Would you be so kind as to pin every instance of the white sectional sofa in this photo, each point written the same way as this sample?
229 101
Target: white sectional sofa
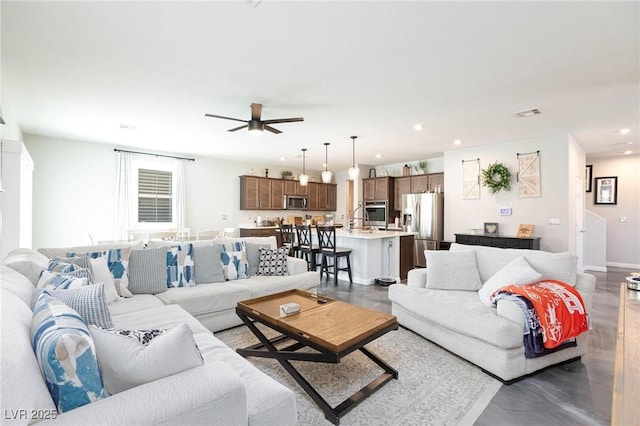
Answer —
490 337
225 390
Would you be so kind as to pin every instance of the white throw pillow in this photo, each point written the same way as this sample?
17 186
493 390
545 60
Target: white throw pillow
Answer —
101 274
132 358
452 270
516 272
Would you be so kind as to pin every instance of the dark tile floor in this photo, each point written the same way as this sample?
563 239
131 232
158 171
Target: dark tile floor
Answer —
571 394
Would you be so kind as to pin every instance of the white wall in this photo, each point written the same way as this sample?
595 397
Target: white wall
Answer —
623 238
74 192
555 168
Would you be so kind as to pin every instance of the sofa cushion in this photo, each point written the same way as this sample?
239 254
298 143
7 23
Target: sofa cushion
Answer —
147 271
516 272
273 261
165 316
461 312
131 358
448 270
135 303
22 385
207 263
89 301
66 354
264 285
556 266
206 298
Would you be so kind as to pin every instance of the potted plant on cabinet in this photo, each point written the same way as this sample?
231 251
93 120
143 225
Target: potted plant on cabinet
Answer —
286 174
421 167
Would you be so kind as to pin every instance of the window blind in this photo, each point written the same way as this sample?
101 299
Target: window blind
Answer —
155 195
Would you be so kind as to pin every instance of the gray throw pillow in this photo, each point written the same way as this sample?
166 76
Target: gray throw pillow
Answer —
147 271
28 268
452 270
89 301
207 264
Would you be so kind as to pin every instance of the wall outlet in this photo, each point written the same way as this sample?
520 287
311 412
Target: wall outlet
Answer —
554 221
390 243
224 217
623 219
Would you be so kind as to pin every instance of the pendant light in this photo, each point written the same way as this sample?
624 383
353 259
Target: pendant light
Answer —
354 171
326 174
304 179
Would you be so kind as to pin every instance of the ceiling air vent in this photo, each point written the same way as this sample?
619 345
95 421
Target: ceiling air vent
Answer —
528 113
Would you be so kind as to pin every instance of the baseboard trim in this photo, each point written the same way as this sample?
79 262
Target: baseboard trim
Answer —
624 265
595 268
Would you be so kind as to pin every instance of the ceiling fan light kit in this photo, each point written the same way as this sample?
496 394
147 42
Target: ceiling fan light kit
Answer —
354 171
304 178
326 174
256 125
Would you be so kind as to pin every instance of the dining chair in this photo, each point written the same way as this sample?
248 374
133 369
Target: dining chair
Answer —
208 234
287 238
181 233
228 232
307 250
328 250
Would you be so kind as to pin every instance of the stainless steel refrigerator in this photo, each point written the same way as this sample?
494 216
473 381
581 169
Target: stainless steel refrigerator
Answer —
424 214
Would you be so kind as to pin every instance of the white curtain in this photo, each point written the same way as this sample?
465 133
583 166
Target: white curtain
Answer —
181 213
123 208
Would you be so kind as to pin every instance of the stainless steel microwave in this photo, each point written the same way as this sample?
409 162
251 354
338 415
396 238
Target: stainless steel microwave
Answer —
296 202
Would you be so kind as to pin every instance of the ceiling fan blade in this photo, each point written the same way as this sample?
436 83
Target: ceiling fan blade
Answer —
238 128
225 118
283 120
271 129
256 111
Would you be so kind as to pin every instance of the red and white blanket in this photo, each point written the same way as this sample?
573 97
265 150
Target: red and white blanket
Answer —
559 307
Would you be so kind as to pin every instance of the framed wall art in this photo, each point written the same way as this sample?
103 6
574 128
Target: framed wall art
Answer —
491 228
588 178
471 179
606 190
529 174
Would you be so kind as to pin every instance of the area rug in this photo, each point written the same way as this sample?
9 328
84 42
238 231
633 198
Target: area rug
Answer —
434 386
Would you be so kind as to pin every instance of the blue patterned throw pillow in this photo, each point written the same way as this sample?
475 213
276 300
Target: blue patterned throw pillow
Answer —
54 280
66 354
61 267
180 271
234 260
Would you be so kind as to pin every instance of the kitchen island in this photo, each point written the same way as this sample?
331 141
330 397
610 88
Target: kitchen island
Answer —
377 254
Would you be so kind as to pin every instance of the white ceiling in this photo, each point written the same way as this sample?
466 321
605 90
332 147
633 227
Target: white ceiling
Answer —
79 70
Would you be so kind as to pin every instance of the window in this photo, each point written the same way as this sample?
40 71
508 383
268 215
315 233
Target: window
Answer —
155 196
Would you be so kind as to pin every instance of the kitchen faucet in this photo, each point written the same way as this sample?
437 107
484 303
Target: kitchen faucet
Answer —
353 217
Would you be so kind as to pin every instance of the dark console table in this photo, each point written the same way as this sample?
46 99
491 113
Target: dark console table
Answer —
499 241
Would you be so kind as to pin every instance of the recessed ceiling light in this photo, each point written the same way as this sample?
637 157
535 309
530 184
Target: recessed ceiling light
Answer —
282 158
627 152
417 127
630 143
457 142
378 155
125 126
625 131
528 113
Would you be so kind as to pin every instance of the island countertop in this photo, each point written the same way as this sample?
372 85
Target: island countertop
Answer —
367 235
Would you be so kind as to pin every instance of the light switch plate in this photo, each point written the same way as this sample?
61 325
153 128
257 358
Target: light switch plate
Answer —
505 211
554 221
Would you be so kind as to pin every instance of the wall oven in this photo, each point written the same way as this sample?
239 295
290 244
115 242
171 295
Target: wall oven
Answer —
296 202
375 214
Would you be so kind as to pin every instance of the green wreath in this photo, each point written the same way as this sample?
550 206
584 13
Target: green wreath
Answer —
496 177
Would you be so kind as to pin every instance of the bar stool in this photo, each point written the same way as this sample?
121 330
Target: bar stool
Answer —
328 249
308 251
288 239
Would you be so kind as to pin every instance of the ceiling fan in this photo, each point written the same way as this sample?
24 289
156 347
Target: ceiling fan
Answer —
256 125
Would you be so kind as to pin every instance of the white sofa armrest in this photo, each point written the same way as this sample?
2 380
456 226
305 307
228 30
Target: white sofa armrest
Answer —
211 394
296 266
417 277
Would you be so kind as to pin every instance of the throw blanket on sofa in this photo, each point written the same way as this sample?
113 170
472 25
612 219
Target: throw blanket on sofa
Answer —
554 314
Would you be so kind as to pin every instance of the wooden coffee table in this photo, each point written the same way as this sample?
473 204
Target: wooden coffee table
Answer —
333 329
